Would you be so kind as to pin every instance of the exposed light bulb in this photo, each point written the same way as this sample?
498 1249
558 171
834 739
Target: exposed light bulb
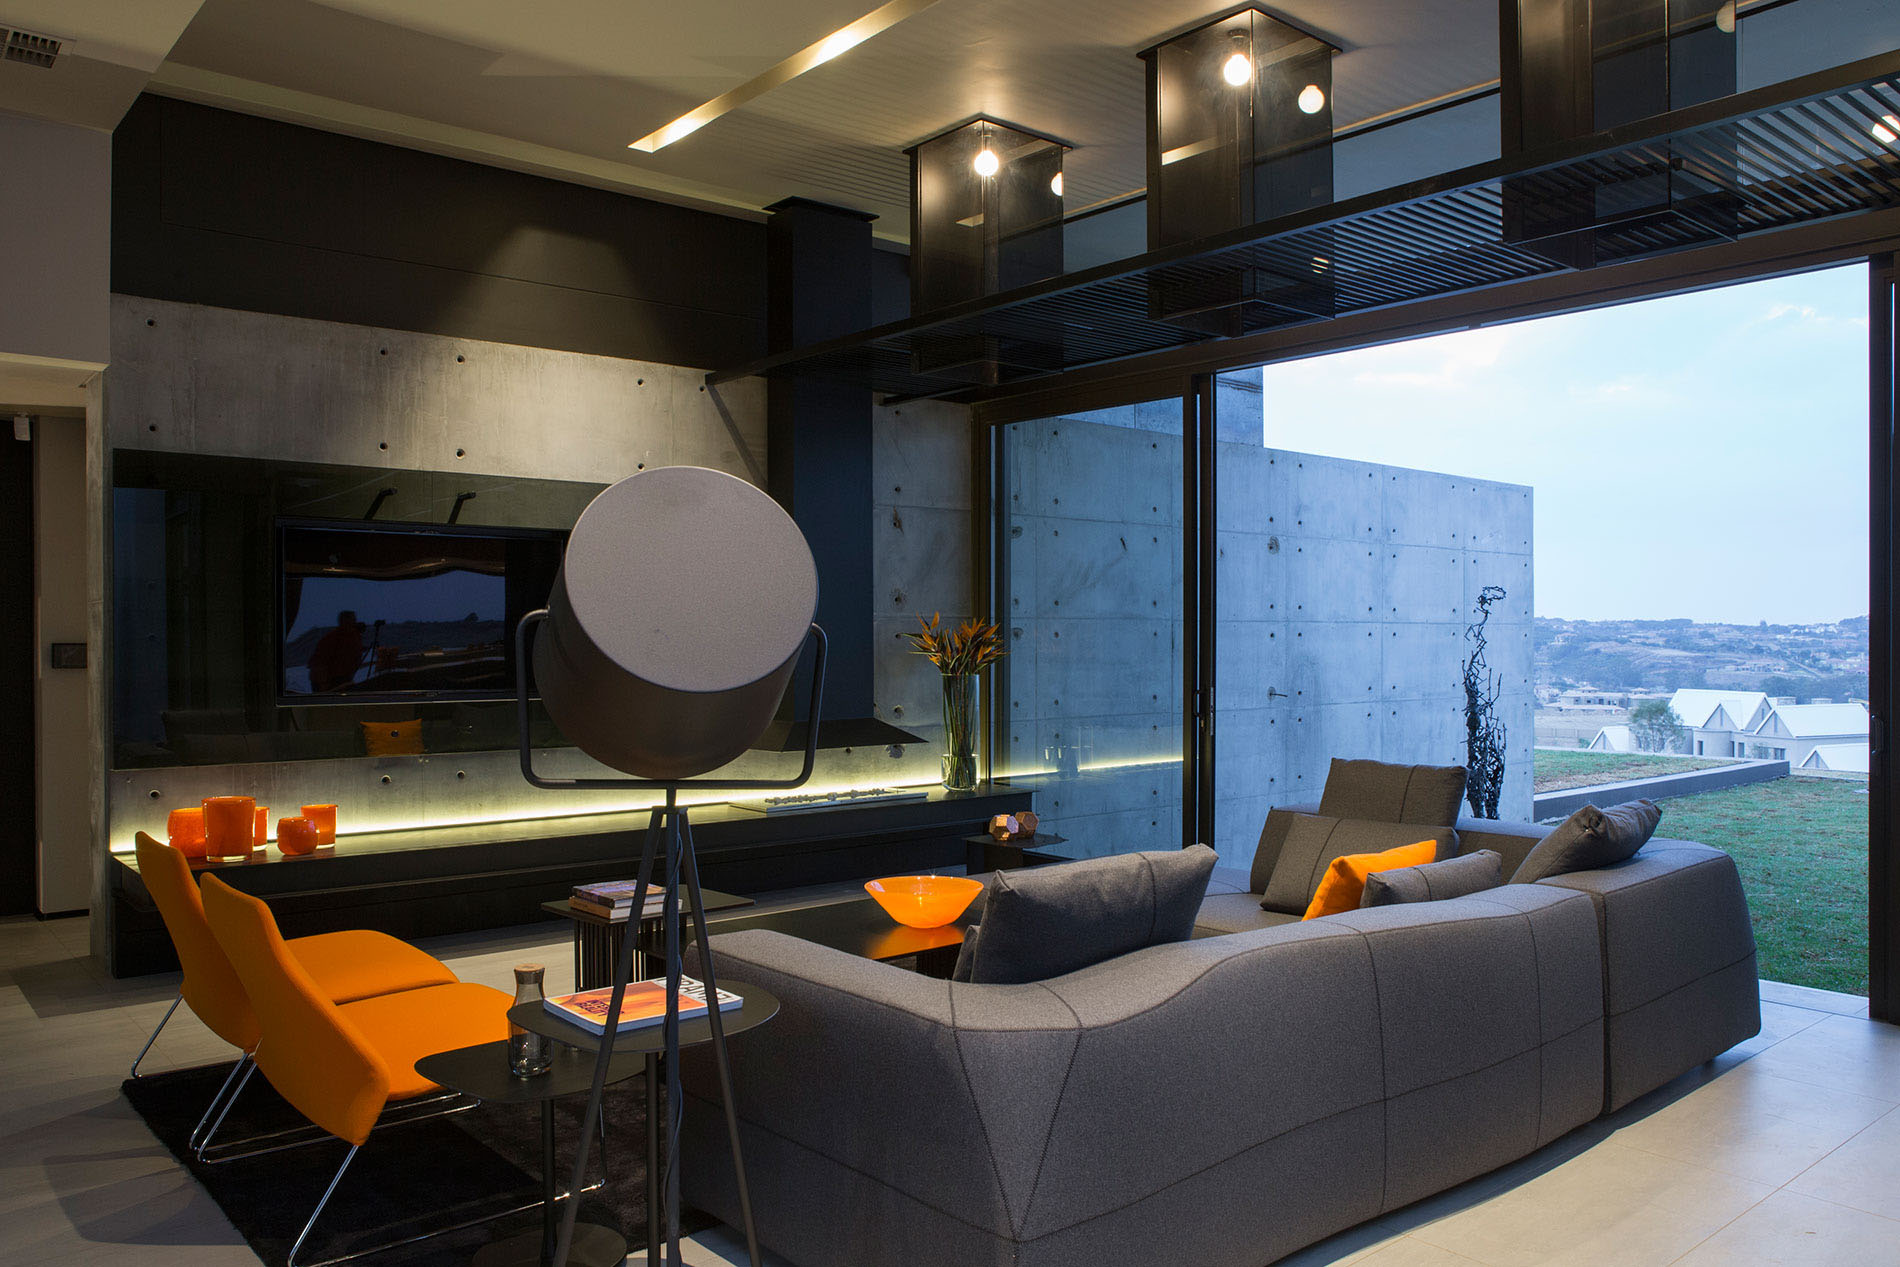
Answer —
1312 100
986 162
1725 18
1237 70
1055 184
1887 131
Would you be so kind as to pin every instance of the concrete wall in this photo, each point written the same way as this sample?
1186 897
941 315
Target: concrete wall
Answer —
54 237
218 381
1344 589
62 696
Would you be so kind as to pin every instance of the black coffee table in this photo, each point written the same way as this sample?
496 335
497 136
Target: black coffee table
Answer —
758 1005
984 853
597 939
859 926
482 1072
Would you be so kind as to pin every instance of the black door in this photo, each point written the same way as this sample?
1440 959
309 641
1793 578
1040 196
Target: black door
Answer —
18 815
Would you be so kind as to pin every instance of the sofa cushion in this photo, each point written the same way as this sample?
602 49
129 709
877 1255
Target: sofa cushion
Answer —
1045 922
1435 881
1345 882
1238 913
1590 838
1381 793
1313 841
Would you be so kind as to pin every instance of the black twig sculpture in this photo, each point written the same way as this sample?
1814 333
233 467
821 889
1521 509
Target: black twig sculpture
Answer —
1484 733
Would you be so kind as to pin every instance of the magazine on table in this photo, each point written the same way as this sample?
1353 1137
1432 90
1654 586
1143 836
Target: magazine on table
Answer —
643 1005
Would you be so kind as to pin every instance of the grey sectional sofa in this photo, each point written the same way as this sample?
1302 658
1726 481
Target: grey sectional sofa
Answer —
1219 1102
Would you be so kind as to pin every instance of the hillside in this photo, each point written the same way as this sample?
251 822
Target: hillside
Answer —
1803 661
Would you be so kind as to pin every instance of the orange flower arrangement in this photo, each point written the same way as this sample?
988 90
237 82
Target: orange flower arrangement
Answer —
974 645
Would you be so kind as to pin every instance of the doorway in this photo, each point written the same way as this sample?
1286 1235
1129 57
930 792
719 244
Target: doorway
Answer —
18 822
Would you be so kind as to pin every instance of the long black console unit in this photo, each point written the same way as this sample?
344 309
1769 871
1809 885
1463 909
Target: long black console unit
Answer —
467 878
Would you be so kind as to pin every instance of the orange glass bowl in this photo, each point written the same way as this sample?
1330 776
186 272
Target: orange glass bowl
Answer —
924 901
297 836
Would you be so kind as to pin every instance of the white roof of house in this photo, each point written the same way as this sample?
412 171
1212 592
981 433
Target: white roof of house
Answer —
1807 720
1838 756
1693 705
1612 739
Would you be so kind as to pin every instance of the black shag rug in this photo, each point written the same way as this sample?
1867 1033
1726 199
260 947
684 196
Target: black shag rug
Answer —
408 1180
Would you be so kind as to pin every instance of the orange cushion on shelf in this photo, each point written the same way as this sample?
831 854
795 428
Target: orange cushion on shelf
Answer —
403 1028
360 964
1345 882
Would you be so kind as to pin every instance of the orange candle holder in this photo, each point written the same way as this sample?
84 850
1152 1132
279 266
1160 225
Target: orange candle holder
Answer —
324 817
297 836
230 823
185 830
260 835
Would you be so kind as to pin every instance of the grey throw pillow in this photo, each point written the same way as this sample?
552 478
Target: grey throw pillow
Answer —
1435 881
1591 838
1042 922
1314 840
1381 793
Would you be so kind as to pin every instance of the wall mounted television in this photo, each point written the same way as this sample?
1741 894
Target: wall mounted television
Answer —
394 612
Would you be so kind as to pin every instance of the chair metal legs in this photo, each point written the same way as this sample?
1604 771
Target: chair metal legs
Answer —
249 1067
162 1021
311 1222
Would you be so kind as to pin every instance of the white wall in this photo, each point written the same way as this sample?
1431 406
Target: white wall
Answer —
55 238
63 721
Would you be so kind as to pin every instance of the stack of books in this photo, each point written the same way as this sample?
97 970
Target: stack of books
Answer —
644 1004
613 899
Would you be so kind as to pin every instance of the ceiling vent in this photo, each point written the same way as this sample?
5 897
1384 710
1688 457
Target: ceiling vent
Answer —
31 49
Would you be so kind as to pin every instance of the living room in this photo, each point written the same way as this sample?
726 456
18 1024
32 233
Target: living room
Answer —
343 326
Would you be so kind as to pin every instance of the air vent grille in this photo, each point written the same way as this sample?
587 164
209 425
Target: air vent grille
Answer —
31 49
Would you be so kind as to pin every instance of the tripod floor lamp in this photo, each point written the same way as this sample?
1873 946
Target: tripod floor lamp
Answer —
683 604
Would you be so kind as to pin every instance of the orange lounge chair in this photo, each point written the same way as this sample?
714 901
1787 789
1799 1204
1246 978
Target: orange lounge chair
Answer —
341 1065
345 967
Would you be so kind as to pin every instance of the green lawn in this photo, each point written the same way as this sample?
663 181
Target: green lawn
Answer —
1556 768
1801 846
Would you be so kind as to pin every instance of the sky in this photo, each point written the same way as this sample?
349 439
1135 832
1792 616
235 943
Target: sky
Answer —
1700 456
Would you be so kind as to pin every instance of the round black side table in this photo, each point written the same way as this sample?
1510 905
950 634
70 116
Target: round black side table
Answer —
758 1005
482 1072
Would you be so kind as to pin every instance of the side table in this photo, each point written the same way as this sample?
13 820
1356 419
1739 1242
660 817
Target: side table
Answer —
597 939
985 853
482 1072
758 1005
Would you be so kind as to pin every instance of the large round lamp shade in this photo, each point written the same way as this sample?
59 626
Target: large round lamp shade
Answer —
675 621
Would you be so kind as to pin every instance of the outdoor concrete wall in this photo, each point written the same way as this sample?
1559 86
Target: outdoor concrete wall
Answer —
1344 589
204 380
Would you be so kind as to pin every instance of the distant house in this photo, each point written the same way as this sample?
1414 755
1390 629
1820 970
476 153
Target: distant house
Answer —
1719 722
1613 739
1792 732
1842 758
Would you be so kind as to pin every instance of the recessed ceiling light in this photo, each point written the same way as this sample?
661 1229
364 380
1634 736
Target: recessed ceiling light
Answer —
1887 131
986 162
1237 69
1312 100
842 40
1055 184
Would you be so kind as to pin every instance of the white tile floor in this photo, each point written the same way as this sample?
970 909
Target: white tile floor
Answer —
1784 1151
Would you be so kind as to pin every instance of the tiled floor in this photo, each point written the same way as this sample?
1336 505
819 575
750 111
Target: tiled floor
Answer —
1784 1151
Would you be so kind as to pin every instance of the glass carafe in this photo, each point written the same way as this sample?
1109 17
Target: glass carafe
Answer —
528 1053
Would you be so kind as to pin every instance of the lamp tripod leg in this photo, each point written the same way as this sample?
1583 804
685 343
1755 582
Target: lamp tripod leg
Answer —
604 1056
721 1060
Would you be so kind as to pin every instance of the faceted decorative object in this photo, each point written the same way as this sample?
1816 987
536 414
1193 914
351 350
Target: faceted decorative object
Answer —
185 830
1013 826
1240 131
985 216
230 822
959 732
324 816
924 901
1571 68
528 1052
297 836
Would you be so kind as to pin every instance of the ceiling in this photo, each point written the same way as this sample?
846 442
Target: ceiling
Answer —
561 87
109 50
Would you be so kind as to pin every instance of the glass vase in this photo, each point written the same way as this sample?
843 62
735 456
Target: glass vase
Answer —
959 731
528 1052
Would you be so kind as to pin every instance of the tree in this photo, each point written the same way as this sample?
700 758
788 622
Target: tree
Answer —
1654 727
1484 733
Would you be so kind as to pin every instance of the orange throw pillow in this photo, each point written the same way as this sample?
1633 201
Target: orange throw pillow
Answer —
1345 880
